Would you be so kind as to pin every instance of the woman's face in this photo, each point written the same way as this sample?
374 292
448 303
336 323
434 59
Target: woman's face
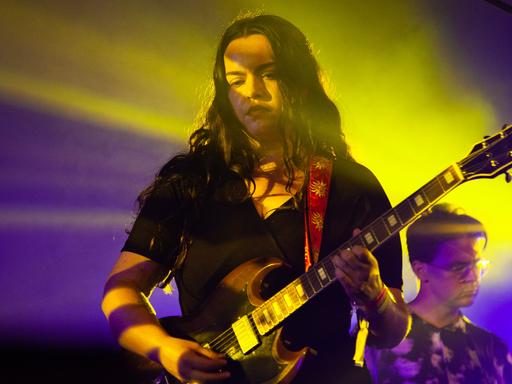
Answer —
253 87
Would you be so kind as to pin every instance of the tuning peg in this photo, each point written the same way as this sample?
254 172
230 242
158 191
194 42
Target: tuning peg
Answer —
508 176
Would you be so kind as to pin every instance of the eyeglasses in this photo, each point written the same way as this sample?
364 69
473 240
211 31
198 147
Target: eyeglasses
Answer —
462 269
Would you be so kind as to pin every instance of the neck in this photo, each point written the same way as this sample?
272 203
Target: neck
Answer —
432 311
269 150
270 155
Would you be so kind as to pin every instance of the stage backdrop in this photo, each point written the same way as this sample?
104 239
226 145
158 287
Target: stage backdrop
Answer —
95 96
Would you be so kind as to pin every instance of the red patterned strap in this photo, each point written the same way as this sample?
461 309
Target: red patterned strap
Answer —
320 170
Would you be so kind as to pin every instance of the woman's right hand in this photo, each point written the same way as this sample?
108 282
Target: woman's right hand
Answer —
189 362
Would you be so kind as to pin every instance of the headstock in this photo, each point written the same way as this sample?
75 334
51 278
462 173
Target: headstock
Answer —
490 157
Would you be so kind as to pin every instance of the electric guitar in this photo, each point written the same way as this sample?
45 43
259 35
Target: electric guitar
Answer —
238 322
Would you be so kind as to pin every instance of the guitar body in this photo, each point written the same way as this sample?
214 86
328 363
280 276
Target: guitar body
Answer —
237 295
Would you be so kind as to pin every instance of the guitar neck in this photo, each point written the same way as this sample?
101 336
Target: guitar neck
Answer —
276 309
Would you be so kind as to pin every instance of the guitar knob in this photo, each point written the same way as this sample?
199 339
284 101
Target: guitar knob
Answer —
508 176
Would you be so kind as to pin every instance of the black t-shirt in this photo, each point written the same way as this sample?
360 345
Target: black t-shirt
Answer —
225 235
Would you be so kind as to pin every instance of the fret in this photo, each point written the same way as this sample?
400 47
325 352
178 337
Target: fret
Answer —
419 201
306 285
329 267
404 211
277 309
270 315
291 302
282 304
259 320
265 319
356 241
322 274
370 241
252 322
392 221
380 230
262 317
294 296
450 178
301 294
313 279
434 190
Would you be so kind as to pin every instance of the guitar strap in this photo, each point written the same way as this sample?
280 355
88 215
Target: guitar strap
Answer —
320 171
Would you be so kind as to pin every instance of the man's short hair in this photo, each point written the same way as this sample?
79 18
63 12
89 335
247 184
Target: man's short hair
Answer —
444 222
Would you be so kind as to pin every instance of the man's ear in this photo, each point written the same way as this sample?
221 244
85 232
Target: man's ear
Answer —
420 270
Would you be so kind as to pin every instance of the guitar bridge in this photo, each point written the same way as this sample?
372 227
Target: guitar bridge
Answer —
245 334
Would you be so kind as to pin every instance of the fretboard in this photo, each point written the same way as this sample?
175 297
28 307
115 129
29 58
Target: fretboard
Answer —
274 310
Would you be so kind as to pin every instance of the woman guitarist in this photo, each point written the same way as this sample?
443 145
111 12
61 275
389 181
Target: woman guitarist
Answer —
240 194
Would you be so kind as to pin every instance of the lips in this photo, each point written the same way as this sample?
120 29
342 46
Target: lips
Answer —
258 108
470 291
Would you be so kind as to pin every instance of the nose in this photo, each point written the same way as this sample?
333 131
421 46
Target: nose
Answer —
474 272
256 88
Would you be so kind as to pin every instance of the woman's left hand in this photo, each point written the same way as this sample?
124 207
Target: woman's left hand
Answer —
358 272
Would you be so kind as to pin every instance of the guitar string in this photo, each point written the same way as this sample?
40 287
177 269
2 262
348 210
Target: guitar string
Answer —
225 338
228 337
229 340
225 345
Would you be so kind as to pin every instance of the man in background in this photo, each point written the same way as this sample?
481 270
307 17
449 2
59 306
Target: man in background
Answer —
443 346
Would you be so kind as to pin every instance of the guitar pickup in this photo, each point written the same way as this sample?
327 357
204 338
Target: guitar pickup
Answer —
245 334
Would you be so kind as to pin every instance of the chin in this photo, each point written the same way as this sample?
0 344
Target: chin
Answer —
467 300
258 131
466 303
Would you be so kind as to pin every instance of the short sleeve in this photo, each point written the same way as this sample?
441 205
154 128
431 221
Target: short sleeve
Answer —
358 199
157 230
389 254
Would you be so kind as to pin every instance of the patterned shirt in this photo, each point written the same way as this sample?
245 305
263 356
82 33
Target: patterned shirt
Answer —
456 354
